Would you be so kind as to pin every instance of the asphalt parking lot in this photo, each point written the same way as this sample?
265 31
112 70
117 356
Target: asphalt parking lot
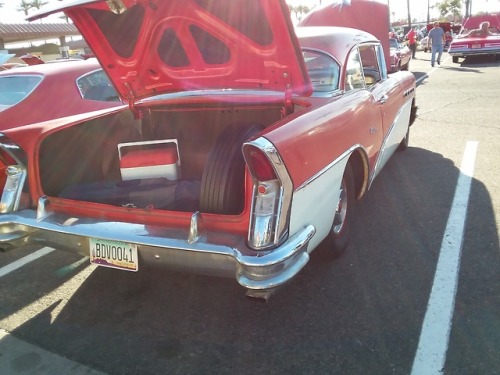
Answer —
417 291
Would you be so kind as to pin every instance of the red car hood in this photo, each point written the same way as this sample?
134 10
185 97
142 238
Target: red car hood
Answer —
473 22
150 47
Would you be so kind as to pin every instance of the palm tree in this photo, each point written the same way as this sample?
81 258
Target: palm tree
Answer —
24 6
468 6
409 15
38 3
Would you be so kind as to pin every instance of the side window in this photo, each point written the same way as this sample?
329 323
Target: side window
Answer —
370 63
96 86
323 71
354 72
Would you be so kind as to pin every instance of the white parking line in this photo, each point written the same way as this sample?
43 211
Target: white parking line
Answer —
25 260
434 337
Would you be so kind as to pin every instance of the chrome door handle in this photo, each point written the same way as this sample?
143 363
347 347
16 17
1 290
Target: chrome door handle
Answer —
383 99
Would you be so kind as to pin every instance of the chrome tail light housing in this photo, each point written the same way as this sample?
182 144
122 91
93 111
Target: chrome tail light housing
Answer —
271 195
13 177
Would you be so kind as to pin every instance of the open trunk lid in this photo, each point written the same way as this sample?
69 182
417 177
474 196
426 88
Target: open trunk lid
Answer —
149 47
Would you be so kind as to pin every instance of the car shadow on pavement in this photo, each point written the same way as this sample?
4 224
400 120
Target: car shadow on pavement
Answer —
347 315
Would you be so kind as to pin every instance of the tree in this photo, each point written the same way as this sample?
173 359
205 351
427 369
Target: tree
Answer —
450 6
468 5
38 4
66 18
24 6
409 15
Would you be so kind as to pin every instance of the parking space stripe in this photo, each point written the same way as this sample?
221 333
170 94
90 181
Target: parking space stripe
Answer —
25 260
434 338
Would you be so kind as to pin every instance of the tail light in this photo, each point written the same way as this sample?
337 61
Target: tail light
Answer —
13 173
271 195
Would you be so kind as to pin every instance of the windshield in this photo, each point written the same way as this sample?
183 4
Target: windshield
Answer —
323 71
14 89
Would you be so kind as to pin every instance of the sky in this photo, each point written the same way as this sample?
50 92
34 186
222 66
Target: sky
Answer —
418 8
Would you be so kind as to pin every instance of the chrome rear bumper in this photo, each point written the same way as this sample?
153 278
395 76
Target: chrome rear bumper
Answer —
218 254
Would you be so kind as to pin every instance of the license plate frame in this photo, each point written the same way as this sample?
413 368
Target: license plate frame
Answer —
114 254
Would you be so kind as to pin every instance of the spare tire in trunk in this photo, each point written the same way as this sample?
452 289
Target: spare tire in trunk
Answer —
222 183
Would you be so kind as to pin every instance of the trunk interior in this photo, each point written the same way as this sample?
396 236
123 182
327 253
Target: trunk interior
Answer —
172 159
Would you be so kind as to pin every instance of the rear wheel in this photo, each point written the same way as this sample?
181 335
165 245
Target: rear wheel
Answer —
341 228
222 183
455 59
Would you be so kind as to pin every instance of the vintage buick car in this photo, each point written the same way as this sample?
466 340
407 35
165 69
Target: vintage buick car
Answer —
248 148
400 56
42 92
371 16
475 43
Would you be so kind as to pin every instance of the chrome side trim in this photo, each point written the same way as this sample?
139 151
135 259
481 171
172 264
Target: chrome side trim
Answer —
342 156
381 158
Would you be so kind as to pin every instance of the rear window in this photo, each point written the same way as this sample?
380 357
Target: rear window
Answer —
323 71
97 86
13 89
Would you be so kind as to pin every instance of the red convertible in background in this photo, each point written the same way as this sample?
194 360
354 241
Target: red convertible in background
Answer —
473 42
248 147
37 93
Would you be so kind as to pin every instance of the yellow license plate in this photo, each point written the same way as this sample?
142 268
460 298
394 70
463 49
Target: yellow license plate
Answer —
114 254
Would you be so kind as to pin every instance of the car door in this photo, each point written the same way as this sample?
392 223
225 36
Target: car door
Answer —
386 94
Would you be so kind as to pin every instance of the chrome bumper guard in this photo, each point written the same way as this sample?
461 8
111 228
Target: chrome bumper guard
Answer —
217 254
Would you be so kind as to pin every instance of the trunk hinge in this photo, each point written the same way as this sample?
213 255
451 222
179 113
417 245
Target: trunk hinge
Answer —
131 102
288 107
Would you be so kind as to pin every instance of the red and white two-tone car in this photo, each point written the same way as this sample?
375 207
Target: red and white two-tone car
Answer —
249 144
479 36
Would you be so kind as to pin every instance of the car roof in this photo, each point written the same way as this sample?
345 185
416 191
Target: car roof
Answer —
78 67
337 41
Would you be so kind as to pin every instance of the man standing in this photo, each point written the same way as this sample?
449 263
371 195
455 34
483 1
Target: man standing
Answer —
412 41
436 41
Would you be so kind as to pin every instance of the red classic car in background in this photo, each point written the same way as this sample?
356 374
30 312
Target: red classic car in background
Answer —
248 147
32 94
400 56
477 43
